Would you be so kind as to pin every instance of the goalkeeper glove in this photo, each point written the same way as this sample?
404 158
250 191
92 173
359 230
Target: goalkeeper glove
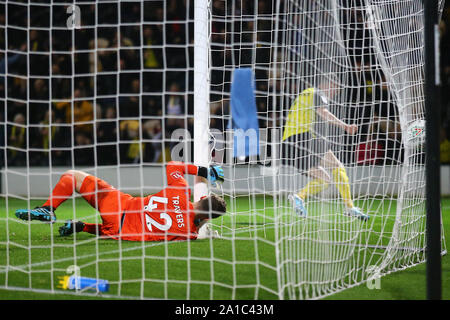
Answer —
215 174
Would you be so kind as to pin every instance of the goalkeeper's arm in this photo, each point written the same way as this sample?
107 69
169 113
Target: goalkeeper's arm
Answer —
175 168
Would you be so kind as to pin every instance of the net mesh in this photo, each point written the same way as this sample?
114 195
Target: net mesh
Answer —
108 87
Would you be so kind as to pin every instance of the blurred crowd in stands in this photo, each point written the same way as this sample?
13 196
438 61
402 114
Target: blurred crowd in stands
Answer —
111 92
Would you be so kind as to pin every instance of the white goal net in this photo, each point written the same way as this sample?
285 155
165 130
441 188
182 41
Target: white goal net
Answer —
333 197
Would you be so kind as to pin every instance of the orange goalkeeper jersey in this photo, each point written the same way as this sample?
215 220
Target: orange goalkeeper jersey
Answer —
166 215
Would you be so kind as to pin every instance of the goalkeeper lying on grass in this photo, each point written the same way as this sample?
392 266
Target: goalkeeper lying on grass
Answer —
166 215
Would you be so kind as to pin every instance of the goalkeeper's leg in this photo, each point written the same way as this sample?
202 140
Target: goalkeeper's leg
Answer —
341 179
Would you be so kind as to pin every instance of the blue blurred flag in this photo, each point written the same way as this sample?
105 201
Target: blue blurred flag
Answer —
244 118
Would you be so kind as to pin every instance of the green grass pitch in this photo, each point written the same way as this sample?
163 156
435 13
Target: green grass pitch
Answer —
206 264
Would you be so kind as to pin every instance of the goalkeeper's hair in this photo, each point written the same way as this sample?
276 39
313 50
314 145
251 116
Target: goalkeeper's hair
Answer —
212 206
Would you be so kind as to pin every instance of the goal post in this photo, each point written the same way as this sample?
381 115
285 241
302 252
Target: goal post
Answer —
201 92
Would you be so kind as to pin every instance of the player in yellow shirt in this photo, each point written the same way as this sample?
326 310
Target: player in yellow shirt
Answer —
308 152
445 147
